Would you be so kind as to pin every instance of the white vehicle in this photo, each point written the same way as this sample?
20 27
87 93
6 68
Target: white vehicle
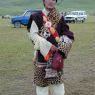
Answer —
76 16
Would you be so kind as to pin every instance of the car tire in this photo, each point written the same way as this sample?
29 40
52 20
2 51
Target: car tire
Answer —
83 20
17 24
74 21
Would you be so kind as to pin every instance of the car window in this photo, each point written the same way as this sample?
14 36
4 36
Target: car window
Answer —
28 13
74 13
81 13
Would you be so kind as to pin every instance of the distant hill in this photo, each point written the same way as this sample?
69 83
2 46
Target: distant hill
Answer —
18 6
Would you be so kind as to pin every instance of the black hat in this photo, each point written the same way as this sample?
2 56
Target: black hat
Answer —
44 0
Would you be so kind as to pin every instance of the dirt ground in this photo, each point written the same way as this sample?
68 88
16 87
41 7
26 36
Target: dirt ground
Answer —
80 79
79 74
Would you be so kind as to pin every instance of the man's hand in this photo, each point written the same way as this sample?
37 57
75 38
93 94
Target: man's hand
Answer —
57 39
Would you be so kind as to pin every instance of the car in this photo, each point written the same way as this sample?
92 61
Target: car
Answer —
17 21
75 16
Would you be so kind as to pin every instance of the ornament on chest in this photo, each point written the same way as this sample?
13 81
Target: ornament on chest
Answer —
44 32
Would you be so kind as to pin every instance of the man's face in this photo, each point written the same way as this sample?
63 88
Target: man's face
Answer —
49 4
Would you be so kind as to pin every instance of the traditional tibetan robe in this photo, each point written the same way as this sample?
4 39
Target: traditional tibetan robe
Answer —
44 41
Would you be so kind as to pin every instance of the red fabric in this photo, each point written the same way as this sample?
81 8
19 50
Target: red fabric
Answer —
43 14
55 34
57 61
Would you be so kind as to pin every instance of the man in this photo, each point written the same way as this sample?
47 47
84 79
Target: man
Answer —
47 31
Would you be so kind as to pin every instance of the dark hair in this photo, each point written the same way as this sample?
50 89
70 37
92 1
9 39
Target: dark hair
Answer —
44 4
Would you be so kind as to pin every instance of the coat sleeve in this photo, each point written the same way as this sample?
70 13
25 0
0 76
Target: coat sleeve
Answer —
65 30
66 38
40 43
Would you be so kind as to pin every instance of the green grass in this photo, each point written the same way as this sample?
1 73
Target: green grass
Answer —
15 58
14 44
15 7
16 52
84 45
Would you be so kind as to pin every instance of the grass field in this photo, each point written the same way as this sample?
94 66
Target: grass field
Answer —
14 7
16 68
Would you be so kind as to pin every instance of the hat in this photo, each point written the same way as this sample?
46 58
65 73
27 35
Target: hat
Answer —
44 0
